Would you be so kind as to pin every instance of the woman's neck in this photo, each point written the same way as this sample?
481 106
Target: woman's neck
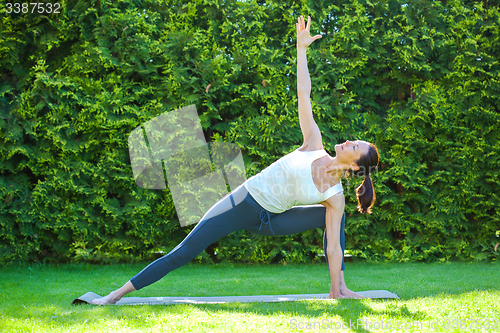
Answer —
336 169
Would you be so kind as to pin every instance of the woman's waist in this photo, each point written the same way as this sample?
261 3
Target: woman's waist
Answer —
272 201
285 193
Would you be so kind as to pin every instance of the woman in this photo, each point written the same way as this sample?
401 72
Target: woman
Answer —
282 199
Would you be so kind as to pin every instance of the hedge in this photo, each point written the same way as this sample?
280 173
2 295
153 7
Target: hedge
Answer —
419 78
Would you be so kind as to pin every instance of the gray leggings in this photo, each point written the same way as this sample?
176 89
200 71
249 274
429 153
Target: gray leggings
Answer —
236 211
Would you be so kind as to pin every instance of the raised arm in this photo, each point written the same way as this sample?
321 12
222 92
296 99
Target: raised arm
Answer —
310 130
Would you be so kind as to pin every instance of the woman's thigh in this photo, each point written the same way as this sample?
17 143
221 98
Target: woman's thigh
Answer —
295 220
226 203
221 222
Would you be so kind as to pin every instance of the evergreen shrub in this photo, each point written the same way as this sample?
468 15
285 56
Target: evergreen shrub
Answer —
420 79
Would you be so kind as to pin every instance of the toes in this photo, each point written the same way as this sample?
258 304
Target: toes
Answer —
97 302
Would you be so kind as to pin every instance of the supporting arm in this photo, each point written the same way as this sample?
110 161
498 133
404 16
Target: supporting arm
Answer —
334 212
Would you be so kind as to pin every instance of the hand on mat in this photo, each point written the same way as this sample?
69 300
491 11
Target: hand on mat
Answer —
336 295
304 38
346 293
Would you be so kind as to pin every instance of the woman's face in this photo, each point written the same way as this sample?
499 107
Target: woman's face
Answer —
350 151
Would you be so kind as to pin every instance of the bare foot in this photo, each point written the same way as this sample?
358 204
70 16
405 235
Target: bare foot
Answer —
112 298
116 295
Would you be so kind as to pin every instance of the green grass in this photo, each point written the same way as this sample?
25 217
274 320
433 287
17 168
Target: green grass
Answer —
38 298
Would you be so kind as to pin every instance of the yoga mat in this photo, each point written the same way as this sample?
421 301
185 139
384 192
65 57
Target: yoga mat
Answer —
90 296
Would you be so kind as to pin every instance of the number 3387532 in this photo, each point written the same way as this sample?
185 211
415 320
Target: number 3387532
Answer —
33 8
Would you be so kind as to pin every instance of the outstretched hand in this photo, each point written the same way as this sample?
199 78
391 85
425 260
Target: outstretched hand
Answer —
304 38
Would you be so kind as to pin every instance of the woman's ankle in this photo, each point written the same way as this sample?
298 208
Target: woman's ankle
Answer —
124 290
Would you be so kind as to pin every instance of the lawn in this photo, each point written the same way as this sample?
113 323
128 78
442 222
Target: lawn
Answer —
450 297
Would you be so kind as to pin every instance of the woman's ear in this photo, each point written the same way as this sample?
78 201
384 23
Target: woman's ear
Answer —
354 166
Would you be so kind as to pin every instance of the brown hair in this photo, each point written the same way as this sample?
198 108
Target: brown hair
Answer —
365 192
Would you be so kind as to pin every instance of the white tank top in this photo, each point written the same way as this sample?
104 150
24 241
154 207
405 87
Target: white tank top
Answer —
288 182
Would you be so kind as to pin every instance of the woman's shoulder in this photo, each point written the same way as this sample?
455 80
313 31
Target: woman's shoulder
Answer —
308 147
336 201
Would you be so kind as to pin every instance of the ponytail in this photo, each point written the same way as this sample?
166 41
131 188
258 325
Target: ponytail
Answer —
365 192
366 195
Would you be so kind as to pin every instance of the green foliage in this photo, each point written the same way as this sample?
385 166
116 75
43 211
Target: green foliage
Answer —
420 79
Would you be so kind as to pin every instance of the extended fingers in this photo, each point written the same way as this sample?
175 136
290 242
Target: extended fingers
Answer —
301 25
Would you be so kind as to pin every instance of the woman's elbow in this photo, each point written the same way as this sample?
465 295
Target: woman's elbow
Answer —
303 92
334 250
